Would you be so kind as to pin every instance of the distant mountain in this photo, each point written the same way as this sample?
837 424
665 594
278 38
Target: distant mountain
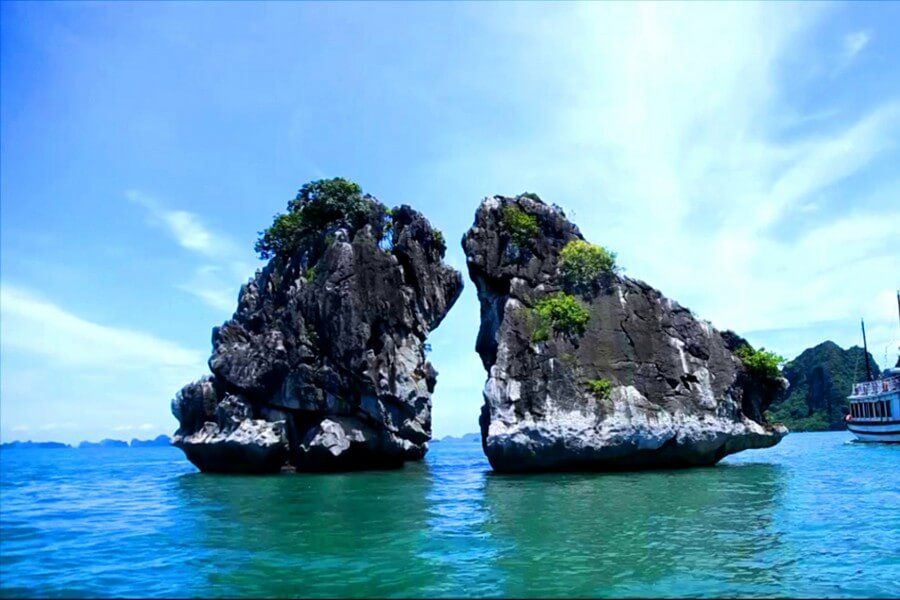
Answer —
160 440
466 437
821 378
29 445
104 444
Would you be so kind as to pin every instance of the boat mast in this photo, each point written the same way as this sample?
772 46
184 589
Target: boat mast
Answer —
866 352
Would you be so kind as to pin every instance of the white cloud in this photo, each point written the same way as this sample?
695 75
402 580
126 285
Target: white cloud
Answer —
38 326
216 284
213 285
54 426
57 364
185 227
854 43
676 141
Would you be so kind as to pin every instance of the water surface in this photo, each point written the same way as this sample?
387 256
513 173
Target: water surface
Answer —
816 515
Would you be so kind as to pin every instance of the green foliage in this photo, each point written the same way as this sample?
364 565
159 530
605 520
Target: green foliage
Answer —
282 238
820 378
761 363
521 226
319 205
600 388
581 263
311 274
561 313
439 240
328 201
530 196
796 415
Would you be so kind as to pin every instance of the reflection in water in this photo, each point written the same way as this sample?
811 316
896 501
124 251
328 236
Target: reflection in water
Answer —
448 525
588 534
811 517
339 535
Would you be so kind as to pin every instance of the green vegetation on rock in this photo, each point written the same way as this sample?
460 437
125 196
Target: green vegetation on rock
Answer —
320 205
600 388
530 196
560 313
439 242
761 363
821 379
521 226
581 263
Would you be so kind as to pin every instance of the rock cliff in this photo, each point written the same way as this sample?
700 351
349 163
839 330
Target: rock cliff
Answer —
322 366
821 379
588 369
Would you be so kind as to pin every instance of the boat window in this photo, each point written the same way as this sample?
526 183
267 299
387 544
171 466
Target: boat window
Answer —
890 408
879 409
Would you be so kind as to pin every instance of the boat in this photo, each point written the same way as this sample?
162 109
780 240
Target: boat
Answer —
875 403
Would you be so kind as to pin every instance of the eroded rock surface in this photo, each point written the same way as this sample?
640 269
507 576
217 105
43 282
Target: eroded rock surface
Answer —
322 366
678 395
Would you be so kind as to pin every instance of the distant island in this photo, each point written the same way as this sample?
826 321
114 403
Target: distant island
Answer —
821 378
466 437
107 443
160 440
29 445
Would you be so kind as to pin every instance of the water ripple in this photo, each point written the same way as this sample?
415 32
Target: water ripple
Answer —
814 516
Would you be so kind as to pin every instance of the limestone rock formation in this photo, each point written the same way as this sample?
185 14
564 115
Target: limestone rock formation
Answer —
322 366
637 382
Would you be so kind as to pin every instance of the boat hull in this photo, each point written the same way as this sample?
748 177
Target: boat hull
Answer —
884 432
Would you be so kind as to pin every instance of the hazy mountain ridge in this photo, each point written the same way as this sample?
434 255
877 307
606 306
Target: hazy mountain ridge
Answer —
160 440
821 378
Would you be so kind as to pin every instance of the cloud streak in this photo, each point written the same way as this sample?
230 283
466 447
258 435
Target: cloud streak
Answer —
38 326
214 284
854 43
678 140
56 364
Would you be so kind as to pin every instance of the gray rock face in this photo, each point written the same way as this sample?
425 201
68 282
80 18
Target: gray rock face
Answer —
322 366
679 396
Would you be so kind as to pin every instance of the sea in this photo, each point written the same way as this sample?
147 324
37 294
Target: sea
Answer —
817 515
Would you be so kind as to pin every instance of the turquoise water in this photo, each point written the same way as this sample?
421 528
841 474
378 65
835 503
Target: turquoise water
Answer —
815 516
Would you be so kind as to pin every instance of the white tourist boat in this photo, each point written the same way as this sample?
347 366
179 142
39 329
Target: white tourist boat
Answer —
875 409
875 404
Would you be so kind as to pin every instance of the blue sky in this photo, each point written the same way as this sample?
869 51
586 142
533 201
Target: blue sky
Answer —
742 158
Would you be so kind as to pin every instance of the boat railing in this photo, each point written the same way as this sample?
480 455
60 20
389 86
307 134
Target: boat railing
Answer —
870 388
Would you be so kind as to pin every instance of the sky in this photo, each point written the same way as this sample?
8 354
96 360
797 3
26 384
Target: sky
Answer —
742 158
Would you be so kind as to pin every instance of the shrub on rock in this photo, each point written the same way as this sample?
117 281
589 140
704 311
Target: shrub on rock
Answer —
560 313
581 263
600 388
762 363
521 226
318 206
